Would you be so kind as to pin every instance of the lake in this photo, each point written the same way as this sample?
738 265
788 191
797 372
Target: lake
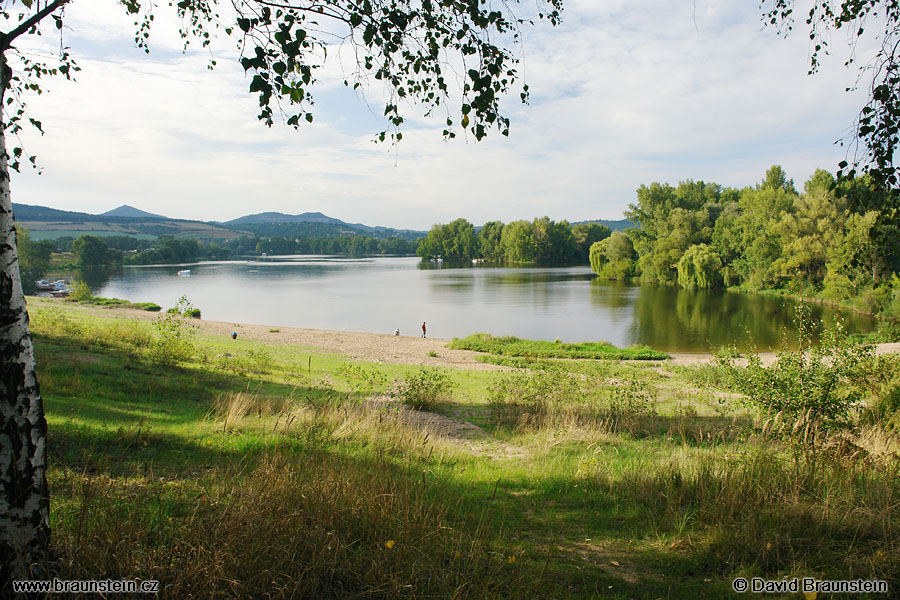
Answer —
381 294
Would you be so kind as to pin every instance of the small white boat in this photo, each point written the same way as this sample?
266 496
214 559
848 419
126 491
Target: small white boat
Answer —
60 288
184 272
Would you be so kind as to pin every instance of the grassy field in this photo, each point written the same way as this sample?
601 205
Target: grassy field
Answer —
253 469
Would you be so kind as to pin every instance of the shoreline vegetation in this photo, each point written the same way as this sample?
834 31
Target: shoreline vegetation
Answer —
515 347
304 463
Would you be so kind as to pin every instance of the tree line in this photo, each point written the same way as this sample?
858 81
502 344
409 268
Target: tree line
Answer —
91 250
832 240
539 241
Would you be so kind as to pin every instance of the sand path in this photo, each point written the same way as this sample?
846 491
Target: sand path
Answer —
373 347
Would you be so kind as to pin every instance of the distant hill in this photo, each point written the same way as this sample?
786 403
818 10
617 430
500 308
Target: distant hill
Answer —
277 217
129 211
312 224
52 223
27 212
620 225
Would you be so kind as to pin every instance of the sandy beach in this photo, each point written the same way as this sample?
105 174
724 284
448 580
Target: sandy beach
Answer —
374 347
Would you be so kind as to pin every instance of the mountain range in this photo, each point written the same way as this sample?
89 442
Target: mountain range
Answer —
128 220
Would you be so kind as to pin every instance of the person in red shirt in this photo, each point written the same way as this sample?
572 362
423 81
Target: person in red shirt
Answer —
423 328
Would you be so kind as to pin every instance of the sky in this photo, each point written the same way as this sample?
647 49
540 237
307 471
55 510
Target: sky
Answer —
622 94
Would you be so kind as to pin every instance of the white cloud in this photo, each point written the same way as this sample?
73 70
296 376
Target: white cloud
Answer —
623 94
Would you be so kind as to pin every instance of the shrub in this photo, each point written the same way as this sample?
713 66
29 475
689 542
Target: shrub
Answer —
421 390
80 292
148 306
824 381
174 339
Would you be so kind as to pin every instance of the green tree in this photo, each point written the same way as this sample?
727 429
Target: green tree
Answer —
460 242
518 242
760 247
777 179
406 46
554 241
809 230
669 221
613 257
699 268
90 250
727 241
455 241
489 241
585 236
34 258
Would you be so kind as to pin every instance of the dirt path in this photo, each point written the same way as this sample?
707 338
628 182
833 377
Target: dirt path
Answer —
767 358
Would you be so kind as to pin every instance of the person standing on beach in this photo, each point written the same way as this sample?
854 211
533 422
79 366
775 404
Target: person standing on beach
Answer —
423 328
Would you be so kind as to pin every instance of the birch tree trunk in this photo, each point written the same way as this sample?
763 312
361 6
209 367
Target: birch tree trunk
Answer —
24 500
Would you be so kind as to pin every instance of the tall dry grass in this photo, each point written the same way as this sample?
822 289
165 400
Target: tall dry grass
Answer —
299 521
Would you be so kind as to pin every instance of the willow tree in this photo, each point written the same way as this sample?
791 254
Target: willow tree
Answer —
452 59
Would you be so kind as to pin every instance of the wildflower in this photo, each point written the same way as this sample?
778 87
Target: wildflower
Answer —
389 544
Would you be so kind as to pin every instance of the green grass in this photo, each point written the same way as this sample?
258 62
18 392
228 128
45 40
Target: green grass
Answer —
259 469
118 303
513 346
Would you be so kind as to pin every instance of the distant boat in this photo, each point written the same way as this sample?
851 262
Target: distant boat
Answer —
184 272
57 289
60 285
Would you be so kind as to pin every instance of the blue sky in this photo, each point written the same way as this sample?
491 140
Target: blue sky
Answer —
623 94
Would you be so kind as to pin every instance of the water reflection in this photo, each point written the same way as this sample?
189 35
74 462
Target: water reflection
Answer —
381 294
95 277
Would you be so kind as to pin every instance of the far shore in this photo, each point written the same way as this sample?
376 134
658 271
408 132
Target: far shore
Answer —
373 347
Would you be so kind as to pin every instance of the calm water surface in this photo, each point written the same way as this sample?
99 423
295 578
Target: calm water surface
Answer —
380 294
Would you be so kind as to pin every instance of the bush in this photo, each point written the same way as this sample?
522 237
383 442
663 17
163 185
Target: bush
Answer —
148 306
821 382
421 390
80 292
174 339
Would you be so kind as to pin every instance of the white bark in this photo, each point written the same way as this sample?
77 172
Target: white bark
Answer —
24 501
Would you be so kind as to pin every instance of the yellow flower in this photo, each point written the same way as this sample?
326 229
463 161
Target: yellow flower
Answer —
389 544
811 595
456 554
512 559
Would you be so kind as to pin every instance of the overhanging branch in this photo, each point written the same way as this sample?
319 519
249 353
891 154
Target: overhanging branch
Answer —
6 39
